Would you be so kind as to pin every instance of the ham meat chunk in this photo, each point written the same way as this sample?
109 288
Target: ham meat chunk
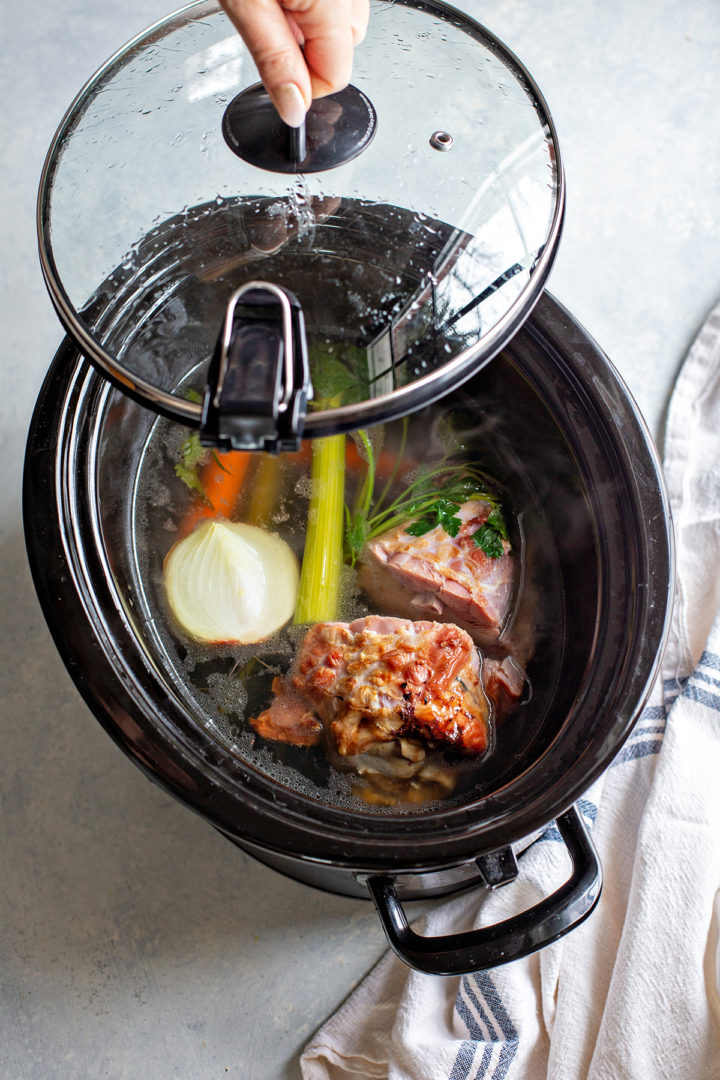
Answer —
440 577
378 680
504 683
288 718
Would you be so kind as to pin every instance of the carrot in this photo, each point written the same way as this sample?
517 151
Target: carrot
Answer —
221 479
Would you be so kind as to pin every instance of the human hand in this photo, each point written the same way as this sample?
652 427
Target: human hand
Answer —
303 49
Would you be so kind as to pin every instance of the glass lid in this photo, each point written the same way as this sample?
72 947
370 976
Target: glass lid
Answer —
387 250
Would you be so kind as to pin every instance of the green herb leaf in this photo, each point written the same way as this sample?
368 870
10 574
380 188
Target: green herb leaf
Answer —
489 540
451 525
192 450
432 498
496 519
190 478
336 372
419 528
219 463
440 513
445 512
356 532
192 453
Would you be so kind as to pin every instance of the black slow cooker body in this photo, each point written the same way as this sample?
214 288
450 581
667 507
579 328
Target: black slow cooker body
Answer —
561 411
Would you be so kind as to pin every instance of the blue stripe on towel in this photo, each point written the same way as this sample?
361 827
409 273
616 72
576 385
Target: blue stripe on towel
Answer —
649 729
488 1032
634 750
588 811
646 738
706 678
672 688
463 1061
552 833
466 1057
487 1021
653 721
651 712
485 1063
486 989
707 660
696 693
478 1034
507 1054
689 688
639 745
488 1024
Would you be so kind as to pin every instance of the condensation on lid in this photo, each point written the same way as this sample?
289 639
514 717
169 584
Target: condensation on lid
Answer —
414 262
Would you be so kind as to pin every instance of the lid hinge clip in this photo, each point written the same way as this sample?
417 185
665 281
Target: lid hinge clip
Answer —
259 377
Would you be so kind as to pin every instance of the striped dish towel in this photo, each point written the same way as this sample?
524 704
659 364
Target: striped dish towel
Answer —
634 993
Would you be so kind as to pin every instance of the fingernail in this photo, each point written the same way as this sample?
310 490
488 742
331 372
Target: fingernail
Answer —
289 102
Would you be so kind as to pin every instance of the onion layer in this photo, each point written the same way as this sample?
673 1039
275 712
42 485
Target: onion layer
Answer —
231 582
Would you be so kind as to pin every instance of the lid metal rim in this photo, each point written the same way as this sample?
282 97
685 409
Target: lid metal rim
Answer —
344 417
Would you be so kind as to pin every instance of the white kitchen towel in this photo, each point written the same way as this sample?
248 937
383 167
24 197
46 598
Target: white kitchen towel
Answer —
634 993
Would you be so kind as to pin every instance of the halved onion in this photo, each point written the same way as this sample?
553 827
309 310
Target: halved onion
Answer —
231 582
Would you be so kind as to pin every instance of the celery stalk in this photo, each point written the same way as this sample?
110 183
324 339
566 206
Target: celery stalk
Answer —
319 593
264 492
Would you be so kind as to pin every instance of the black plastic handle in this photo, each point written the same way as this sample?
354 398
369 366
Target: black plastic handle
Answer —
296 144
490 946
259 376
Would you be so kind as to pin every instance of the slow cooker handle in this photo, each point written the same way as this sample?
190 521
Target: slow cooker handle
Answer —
490 946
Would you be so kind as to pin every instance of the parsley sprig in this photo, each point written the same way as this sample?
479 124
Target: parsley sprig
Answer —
441 514
432 498
489 537
192 455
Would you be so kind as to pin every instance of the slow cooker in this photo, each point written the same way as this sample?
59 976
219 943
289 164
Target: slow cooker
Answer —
198 255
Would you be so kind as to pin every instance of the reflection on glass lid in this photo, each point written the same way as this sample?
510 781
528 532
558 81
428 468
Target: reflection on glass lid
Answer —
413 262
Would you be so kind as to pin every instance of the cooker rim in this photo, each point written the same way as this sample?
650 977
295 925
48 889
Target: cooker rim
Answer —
274 817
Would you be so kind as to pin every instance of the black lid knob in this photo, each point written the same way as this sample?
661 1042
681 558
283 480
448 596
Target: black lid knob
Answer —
337 128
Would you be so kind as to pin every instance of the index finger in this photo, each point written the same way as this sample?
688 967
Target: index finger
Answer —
274 47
